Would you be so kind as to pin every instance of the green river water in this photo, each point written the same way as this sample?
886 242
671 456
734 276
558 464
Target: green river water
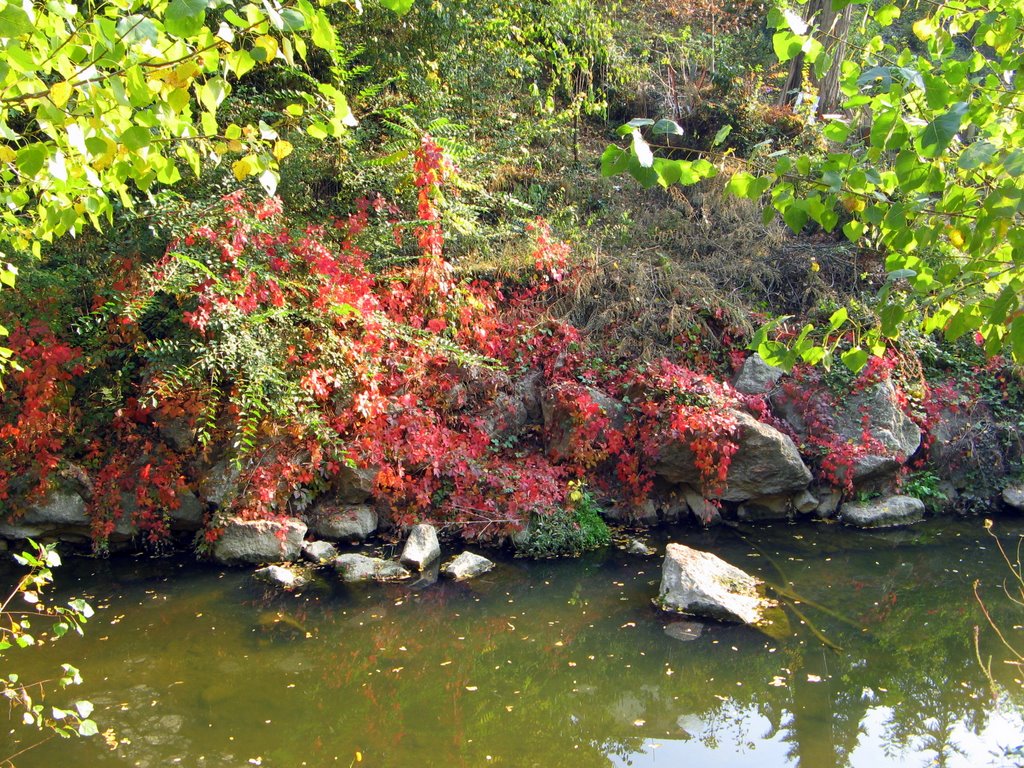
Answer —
550 663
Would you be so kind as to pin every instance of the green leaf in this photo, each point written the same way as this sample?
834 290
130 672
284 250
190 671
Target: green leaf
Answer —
721 135
670 127
854 359
401 7
30 159
14 21
136 137
938 134
886 15
976 155
614 161
184 18
87 728
836 131
1017 338
786 45
136 28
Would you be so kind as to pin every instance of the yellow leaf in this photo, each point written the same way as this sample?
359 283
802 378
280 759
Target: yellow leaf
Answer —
268 44
235 145
241 168
6 154
924 29
60 93
282 149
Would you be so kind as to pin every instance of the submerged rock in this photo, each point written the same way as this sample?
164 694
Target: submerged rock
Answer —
421 548
319 551
354 567
279 576
702 584
684 631
883 513
259 541
467 566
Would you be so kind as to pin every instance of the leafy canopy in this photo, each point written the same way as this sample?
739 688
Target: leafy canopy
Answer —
925 165
99 102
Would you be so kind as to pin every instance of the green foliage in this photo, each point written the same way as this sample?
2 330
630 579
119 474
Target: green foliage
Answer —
932 177
924 485
18 631
567 532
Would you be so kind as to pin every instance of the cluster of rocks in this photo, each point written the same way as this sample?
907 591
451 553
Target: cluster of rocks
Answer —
261 541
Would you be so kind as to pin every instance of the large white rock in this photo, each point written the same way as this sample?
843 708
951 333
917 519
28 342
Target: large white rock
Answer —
703 584
467 566
883 513
421 548
259 541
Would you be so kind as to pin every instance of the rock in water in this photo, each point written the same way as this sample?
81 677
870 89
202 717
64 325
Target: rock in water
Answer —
353 567
421 548
702 584
883 513
685 631
280 577
467 566
259 541
319 551
1013 496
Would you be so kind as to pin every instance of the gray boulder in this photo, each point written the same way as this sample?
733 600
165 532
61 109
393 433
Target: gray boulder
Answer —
893 433
706 512
467 566
259 541
319 551
702 584
637 547
757 377
189 515
354 568
346 522
219 482
421 548
766 508
559 423
883 513
766 463
1013 496
60 508
354 485
279 576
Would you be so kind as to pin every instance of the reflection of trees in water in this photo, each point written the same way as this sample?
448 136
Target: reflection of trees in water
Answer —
360 690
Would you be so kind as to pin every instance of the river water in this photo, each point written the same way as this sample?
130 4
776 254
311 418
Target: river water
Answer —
561 663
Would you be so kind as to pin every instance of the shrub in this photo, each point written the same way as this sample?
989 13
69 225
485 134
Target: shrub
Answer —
568 531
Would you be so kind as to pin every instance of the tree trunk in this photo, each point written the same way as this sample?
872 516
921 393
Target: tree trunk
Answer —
831 28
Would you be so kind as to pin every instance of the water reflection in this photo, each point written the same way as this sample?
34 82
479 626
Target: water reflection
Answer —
550 664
